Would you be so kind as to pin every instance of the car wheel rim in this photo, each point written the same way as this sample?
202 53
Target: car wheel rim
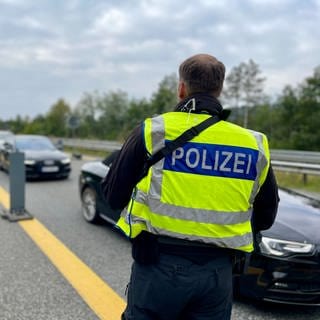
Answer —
89 204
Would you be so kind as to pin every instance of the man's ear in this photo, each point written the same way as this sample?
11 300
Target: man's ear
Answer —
182 90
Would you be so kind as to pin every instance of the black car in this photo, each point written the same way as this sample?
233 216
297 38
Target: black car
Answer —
285 268
94 208
41 158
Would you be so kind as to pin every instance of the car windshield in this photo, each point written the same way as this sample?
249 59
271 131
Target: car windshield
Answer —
34 143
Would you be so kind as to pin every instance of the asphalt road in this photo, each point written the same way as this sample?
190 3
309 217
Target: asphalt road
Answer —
32 288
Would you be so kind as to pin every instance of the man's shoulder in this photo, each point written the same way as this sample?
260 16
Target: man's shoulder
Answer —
243 129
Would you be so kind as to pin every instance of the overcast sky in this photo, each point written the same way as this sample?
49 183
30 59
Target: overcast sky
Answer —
51 49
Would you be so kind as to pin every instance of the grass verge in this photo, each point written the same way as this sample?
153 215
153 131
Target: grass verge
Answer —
285 179
298 181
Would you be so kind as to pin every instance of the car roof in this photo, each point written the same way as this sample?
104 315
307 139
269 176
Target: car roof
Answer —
5 132
30 136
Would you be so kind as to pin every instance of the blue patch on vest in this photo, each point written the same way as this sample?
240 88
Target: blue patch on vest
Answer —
214 160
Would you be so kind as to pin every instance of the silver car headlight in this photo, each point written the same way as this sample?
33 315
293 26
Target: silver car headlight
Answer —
283 248
65 161
28 162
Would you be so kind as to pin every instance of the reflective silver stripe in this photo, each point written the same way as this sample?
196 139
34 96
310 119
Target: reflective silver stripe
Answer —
191 214
158 134
228 242
156 180
158 142
261 164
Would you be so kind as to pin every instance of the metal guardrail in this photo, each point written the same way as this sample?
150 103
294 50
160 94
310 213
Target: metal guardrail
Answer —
304 162
296 156
97 145
297 167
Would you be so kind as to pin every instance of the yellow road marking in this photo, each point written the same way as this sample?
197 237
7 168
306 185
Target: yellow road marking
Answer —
94 291
4 198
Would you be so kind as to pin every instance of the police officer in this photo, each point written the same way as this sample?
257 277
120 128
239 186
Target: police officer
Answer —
195 209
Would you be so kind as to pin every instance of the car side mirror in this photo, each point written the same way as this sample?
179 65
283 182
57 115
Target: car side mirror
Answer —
8 146
59 145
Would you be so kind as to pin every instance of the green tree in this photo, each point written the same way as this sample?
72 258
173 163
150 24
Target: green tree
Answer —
298 116
308 114
261 118
112 107
285 109
166 97
310 89
244 87
36 126
88 111
18 124
137 112
56 119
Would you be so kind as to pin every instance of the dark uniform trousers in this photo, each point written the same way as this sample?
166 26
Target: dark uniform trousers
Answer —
176 288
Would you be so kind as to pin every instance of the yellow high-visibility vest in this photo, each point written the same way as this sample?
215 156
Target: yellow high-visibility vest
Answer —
204 190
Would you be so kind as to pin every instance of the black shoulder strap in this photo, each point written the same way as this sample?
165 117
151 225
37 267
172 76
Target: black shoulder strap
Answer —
179 141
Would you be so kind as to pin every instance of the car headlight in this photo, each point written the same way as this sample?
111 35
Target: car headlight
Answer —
65 161
28 162
283 248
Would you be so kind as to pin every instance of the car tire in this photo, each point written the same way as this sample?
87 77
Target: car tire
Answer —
89 206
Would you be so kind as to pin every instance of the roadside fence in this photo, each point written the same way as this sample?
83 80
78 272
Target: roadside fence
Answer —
302 162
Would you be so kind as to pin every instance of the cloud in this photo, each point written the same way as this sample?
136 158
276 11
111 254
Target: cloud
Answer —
111 22
65 48
30 22
13 2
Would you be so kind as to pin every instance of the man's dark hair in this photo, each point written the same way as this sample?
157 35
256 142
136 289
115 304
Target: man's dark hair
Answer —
202 73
